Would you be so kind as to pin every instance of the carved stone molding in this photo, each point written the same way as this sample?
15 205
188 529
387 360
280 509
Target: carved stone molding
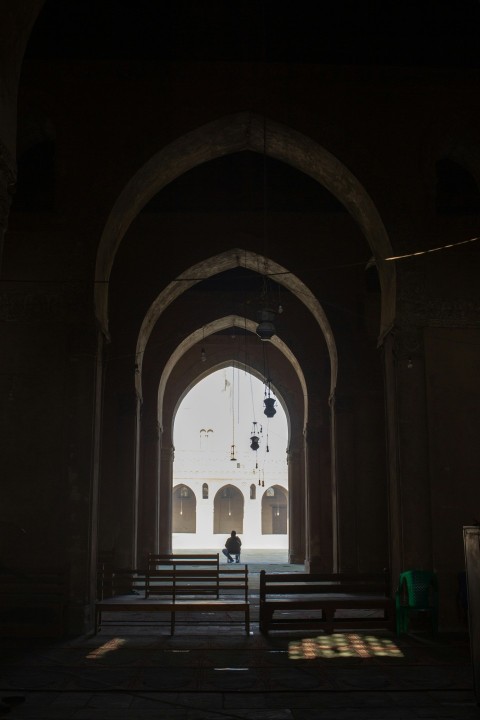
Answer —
31 302
407 343
415 307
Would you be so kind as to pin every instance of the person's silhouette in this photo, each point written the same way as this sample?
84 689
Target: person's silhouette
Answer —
232 547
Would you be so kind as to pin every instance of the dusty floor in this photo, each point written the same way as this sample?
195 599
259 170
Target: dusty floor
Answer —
212 670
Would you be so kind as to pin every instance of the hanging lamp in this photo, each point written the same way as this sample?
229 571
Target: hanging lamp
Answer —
269 401
254 438
266 315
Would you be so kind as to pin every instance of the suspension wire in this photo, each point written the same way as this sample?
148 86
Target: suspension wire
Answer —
233 409
251 394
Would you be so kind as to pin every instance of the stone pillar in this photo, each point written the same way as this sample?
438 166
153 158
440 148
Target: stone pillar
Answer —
252 510
407 452
123 500
393 451
7 184
95 499
149 488
80 511
318 497
165 504
296 505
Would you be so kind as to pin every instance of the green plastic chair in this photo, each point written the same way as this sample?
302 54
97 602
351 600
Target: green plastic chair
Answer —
418 593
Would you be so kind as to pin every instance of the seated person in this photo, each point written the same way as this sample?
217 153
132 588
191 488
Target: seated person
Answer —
232 547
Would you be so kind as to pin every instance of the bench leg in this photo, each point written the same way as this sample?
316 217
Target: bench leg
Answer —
329 621
266 615
172 622
247 621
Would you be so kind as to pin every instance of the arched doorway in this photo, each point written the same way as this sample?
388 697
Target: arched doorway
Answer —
319 458
228 511
227 477
184 510
275 511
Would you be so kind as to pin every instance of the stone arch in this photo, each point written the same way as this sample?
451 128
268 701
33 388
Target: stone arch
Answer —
174 389
234 133
209 329
220 263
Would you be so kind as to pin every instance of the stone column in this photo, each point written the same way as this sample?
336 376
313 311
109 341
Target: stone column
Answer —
165 504
296 505
318 497
80 511
149 488
407 451
123 504
393 450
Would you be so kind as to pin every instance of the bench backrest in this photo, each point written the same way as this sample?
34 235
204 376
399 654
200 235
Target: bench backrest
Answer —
324 583
232 580
207 560
182 574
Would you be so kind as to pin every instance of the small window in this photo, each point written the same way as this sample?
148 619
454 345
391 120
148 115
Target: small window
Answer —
457 191
205 491
253 492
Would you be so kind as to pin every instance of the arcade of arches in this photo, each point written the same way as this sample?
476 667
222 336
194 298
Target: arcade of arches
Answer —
228 511
140 232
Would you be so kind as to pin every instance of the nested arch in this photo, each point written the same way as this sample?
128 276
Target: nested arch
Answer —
186 371
193 339
243 131
236 257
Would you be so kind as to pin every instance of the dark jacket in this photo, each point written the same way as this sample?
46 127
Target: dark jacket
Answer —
233 544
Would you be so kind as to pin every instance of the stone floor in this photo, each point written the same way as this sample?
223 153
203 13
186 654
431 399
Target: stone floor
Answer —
211 670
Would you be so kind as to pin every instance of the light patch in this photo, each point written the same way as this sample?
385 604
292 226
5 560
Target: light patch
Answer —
110 646
341 645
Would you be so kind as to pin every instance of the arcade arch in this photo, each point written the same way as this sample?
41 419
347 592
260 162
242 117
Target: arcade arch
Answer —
244 131
226 399
315 449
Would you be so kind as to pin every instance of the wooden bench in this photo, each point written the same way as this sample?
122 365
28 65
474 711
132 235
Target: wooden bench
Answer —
158 572
325 601
33 603
179 583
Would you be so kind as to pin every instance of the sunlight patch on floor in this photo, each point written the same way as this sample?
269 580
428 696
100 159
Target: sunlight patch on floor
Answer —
102 650
342 645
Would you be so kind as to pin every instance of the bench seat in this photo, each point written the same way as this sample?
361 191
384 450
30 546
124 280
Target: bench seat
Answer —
296 601
153 605
175 584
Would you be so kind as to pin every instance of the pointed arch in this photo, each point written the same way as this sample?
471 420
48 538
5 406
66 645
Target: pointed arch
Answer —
209 329
234 133
226 261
